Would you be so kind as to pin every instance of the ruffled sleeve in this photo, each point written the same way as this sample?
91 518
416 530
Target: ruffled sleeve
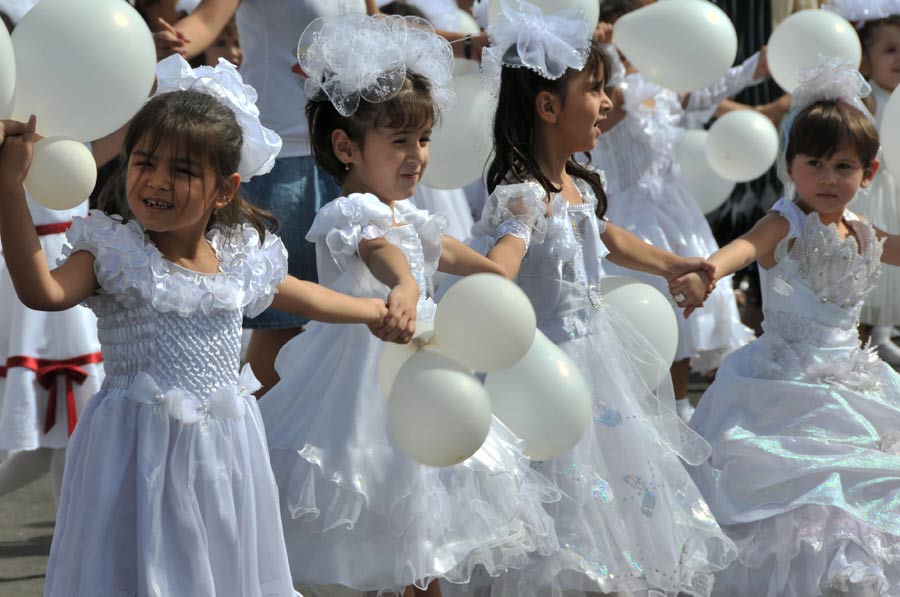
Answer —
122 258
516 210
430 228
343 223
264 266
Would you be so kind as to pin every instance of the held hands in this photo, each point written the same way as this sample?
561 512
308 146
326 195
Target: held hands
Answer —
399 322
691 289
16 149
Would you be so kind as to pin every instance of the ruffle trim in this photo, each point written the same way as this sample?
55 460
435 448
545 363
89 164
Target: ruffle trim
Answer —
525 202
129 267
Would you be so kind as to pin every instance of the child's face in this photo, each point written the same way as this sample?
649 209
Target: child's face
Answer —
389 163
226 46
883 56
585 106
827 184
164 202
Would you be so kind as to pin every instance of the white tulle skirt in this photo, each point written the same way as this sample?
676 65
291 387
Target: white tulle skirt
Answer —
669 218
631 518
155 505
880 204
358 512
43 356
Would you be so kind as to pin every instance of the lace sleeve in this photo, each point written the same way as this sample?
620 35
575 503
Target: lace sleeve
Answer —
343 223
517 209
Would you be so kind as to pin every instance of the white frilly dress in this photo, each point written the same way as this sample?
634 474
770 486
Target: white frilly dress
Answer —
880 205
805 430
167 487
630 518
50 362
646 198
356 510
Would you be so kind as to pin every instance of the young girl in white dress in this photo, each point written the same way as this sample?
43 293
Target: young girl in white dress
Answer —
637 150
356 510
50 365
630 518
804 424
168 488
878 24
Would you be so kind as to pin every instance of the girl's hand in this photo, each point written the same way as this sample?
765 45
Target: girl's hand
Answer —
399 324
603 33
16 152
691 290
169 40
685 265
12 128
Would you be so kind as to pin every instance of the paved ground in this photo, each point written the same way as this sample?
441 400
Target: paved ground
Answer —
26 527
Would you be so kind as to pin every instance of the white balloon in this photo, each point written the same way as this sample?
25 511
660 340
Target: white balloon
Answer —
438 413
84 68
461 146
393 355
652 316
590 8
694 172
801 39
544 399
467 24
684 45
890 133
485 322
742 145
62 174
7 74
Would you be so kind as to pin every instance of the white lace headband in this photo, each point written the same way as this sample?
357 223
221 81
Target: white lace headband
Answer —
522 36
859 12
354 57
261 145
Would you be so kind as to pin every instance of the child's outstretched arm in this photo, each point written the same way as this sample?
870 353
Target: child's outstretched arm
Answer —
756 245
37 286
891 252
314 301
627 250
461 260
508 253
390 267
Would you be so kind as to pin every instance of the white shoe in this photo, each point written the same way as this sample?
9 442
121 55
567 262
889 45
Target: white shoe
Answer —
684 409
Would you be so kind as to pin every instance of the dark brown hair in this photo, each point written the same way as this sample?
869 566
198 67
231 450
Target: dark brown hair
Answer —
411 108
514 125
208 133
868 30
824 127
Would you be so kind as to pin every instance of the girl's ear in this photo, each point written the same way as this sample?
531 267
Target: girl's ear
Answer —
344 148
547 106
229 191
869 174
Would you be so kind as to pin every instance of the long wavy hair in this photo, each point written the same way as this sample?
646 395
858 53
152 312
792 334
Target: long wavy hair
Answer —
513 157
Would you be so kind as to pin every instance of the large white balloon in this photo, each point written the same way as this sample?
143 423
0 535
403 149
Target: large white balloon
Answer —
742 145
393 355
890 133
62 174
84 68
590 8
544 399
694 172
461 146
802 38
652 316
485 322
682 45
438 413
7 74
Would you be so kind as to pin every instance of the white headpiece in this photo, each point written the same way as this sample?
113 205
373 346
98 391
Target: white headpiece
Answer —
833 79
522 36
353 57
261 145
860 11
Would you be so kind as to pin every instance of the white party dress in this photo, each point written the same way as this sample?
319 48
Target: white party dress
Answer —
356 510
646 198
167 487
50 362
630 518
805 429
880 205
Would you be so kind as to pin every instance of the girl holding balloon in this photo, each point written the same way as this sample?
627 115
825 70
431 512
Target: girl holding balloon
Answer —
356 510
637 152
168 488
630 518
803 422
878 25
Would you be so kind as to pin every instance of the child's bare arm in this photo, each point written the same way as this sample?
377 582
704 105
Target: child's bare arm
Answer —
460 260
